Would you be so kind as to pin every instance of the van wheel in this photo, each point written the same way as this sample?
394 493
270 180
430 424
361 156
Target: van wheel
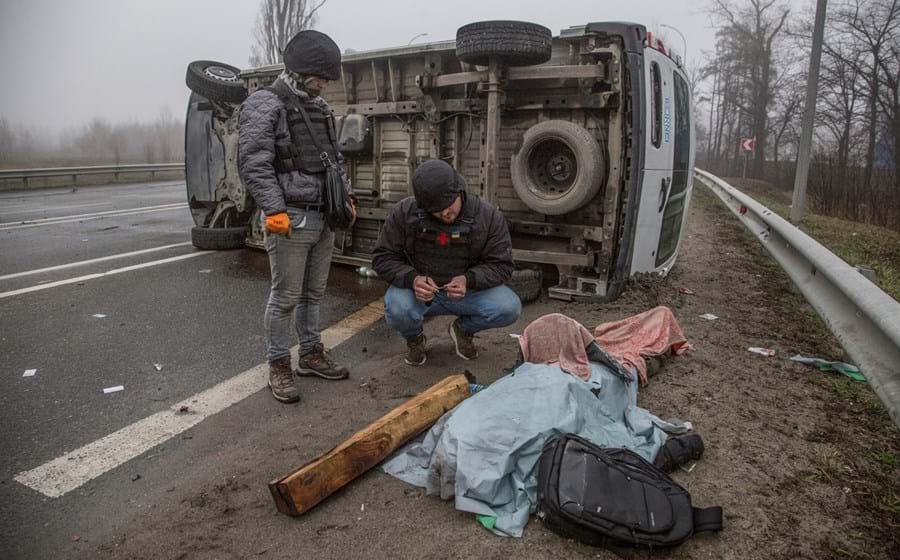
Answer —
559 168
517 43
218 239
527 283
215 81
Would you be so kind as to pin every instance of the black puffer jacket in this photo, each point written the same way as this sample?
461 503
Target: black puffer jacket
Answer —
263 125
491 263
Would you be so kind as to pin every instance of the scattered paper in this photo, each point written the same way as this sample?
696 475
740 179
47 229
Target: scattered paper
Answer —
29 372
686 291
115 389
516 336
708 317
205 271
98 316
762 351
363 508
157 367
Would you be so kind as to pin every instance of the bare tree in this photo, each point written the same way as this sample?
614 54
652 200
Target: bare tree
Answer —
754 26
276 23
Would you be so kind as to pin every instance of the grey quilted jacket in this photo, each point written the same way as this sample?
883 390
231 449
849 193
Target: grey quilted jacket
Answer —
263 125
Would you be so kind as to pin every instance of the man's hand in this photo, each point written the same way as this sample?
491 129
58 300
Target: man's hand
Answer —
279 224
425 288
456 288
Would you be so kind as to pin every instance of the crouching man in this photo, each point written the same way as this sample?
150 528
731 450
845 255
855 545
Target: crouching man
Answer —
445 252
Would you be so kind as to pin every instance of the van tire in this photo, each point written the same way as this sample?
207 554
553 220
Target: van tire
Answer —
517 43
526 283
218 239
215 81
559 167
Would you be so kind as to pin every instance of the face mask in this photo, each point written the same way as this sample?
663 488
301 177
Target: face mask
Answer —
311 85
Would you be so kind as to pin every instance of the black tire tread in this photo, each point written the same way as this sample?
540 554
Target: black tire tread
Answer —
199 83
526 283
518 43
218 239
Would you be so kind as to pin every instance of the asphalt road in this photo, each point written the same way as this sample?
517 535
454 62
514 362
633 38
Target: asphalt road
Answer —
168 330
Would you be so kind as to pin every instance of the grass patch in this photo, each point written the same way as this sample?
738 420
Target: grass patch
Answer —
857 243
886 457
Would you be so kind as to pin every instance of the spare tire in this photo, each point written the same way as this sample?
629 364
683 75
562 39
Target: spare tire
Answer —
559 167
517 43
215 81
218 239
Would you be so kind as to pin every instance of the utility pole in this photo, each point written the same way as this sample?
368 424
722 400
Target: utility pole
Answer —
798 205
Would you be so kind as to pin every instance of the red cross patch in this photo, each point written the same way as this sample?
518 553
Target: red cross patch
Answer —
443 239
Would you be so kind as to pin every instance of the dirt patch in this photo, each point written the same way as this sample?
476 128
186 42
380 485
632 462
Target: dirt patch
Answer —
805 464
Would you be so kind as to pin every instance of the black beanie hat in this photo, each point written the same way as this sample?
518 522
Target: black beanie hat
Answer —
313 53
436 185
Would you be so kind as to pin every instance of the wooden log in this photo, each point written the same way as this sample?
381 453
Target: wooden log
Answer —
301 490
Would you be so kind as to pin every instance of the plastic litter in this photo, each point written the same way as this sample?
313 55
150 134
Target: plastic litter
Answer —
709 317
29 373
761 351
205 271
75 538
686 291
843 368
157 367
115 389
98 316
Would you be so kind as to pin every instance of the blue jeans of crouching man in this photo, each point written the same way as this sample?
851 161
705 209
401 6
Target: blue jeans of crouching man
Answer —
477 310
299 274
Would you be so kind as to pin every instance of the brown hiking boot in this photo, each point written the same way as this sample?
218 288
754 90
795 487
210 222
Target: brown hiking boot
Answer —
464 342
281 381
318 363
415 350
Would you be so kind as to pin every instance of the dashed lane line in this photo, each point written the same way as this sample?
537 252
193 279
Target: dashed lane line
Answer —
93 216
94 261
85 278
60 476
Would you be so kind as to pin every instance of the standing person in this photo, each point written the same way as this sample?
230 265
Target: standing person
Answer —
281 167
445 252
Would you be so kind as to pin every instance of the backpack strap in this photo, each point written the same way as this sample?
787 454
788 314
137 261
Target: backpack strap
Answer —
707 519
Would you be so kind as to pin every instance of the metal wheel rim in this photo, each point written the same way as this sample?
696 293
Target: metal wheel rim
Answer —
552 168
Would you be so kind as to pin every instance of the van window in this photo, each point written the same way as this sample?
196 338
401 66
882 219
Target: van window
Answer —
656 102
682 146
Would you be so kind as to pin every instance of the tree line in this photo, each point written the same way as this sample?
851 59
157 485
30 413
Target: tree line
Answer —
753 85
99 142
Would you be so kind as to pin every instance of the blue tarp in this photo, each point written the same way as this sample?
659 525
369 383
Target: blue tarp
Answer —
484 453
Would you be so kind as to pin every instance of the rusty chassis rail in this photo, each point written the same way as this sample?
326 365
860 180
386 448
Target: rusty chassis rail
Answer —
864 319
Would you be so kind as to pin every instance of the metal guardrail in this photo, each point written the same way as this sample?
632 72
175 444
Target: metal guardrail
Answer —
74 172
865 320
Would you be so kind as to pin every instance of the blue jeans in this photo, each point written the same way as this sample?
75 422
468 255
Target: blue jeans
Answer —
299 273
477 311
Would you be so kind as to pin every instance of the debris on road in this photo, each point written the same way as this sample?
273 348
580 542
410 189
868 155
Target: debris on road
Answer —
686 291
708 317
305 487
115 389
768 352
205 271
135 478
157 367
75 538
29 373
98 316
843 368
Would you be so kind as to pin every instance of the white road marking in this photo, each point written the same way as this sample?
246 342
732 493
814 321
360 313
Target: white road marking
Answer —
54 208
94 216
85 278
66 473
93 261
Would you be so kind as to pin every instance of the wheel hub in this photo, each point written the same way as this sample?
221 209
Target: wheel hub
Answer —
553 168
221 74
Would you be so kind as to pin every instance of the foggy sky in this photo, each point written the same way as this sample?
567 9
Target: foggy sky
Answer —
64 62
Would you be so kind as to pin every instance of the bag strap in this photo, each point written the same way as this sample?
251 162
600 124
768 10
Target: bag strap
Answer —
326 159
707 519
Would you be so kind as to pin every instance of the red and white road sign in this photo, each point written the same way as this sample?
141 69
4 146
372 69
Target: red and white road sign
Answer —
748 144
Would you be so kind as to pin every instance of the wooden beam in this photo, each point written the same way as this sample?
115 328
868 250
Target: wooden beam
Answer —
301 490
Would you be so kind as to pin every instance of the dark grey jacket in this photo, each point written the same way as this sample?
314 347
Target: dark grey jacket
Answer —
490 245
263 125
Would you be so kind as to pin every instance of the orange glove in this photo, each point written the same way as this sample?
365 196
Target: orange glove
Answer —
279 224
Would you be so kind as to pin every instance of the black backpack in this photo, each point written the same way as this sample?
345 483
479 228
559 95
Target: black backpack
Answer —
613 497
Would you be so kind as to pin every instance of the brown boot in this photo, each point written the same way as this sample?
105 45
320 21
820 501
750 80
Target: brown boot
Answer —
318 363
281 381
463 342
415 350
